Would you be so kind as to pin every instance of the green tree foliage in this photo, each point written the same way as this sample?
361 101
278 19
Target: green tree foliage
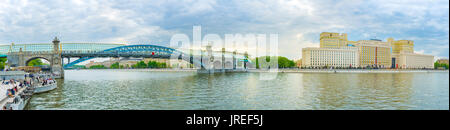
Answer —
115 66
36 62
79 66
3 60
154 64
162 65
438 65
2 63
97 67
283 62
140 64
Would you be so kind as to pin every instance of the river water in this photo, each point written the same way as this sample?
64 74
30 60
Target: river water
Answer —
142 90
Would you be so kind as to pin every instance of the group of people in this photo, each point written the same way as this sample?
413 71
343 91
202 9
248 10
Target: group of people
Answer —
43 80
16 83
11 91
28 81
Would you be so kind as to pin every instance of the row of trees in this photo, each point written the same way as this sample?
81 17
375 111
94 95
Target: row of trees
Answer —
150 64
283 62
439 65
98 67
138 65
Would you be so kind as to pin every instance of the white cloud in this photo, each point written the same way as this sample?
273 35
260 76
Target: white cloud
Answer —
298 22
420 51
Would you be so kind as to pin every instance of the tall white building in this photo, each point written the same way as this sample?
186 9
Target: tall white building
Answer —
330 57
414 61
374 53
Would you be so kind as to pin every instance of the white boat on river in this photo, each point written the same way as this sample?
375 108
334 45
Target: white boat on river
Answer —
19 101
45 88
19 92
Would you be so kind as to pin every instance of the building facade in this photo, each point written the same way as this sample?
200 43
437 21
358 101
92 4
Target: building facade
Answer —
414 61
337 51
330 57
443 61
333 40
298 63
403 56
401 46
374 53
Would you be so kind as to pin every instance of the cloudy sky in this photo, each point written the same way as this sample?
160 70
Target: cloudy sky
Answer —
298 23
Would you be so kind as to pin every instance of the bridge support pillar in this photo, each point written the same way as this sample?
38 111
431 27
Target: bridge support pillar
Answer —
56 60
56 66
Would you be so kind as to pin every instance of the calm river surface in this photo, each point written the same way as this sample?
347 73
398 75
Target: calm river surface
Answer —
132 89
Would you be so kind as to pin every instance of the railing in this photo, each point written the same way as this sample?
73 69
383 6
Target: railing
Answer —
4 73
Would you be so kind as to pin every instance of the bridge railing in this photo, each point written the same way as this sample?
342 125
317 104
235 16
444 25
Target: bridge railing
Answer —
32 52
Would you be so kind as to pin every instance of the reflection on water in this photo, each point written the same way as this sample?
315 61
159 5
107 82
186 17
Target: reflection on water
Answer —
126 89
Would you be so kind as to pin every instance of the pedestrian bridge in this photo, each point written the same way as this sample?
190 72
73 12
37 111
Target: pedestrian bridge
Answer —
21 54
46 47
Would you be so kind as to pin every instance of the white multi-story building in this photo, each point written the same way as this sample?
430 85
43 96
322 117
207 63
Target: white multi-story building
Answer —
330 57
414 61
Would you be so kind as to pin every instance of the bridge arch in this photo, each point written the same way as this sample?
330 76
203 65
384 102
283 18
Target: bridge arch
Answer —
37 57
228 64
217 65
145 51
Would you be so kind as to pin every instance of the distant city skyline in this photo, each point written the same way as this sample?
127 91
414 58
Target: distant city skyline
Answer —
298 23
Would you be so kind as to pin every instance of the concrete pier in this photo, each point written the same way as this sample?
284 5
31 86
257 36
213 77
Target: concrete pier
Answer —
7 75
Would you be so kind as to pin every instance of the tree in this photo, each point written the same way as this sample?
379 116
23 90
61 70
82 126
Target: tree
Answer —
140 64
283 62
2 63
115 65
437 65
79 66
152 64
36 62
163 65
3 60
97 67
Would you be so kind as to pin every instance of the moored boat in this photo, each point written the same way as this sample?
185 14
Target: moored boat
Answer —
45 88
20 101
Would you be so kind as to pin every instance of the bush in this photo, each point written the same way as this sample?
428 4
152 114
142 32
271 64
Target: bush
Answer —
97 67
438 65
283 62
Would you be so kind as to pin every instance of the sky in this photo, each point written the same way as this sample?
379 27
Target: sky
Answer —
298 23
